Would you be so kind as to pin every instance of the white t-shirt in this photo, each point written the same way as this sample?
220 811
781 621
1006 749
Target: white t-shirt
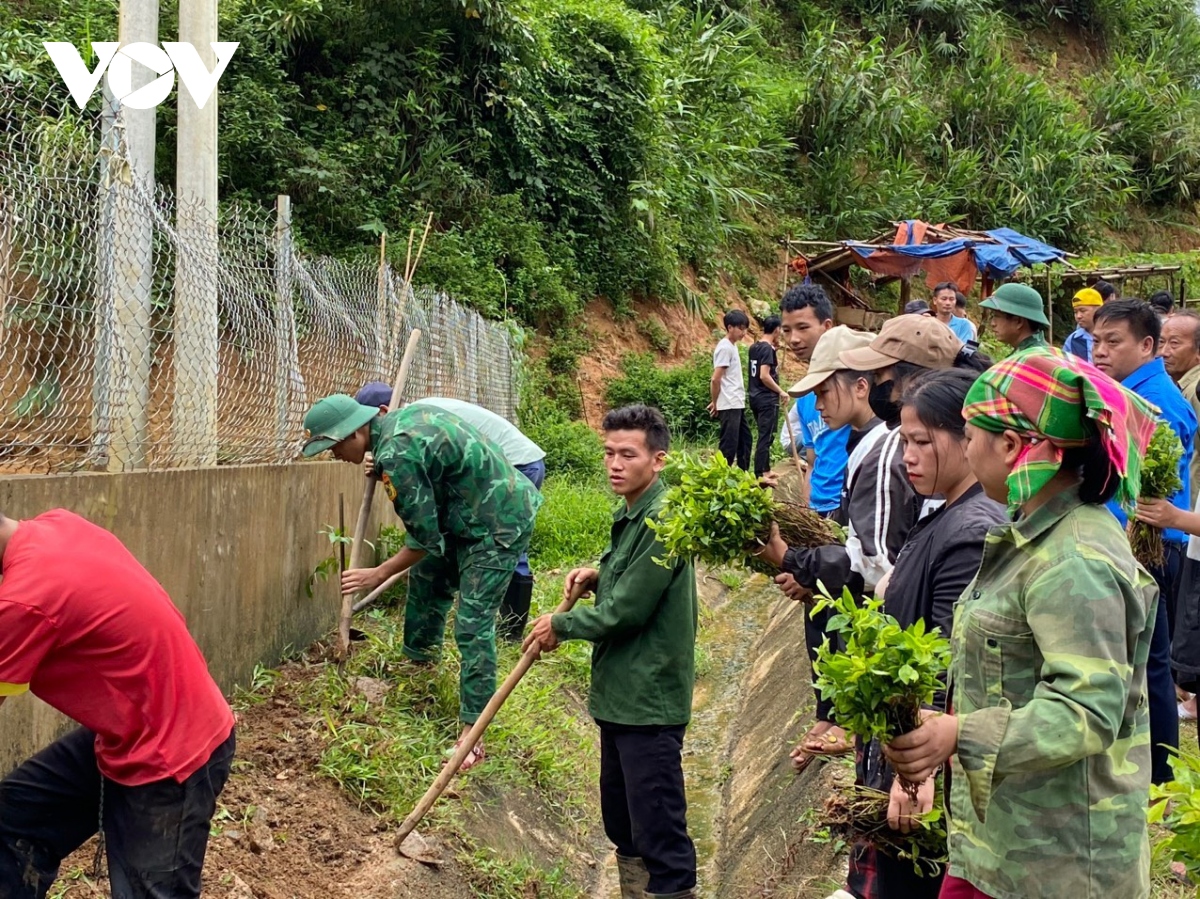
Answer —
733 389
518 449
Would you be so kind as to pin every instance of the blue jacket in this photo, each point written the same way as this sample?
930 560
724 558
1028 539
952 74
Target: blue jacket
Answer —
1152 383
1079 343
829 468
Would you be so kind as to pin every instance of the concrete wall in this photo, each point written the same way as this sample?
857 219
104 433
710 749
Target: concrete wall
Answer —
233 546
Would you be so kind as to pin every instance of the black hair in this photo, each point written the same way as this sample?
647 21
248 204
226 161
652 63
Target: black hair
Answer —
845 378
646 419
771 324
1099 478
960 299
972 358
736 318
1162 300
937 398
808 296
1106 290
1143 321
945 285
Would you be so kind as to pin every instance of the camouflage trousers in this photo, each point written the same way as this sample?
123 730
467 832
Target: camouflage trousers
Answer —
480 572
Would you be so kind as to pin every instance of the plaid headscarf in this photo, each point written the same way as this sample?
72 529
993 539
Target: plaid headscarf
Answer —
1060 401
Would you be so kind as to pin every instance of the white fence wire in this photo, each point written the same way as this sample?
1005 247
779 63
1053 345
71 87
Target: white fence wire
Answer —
126 345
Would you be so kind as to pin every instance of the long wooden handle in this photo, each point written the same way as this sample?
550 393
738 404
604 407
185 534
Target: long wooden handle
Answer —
378 591
476 732
364 512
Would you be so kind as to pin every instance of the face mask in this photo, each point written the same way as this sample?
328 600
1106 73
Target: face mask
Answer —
881 402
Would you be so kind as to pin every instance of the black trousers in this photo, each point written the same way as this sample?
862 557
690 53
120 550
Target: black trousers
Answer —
642 801
1160 683
735 437
156 834
766 416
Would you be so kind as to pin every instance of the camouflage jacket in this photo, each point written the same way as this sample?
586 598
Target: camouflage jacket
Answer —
1051 778
447 482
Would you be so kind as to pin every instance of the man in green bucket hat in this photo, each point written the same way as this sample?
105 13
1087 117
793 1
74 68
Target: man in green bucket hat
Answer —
1018 316
467 514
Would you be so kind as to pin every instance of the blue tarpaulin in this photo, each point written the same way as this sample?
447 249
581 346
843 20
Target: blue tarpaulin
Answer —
996 261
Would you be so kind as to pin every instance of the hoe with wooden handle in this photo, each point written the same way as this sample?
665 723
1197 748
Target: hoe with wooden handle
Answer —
476 732
364 512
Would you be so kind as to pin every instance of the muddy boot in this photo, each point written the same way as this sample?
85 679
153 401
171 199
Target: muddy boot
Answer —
682 894
514 610
633 876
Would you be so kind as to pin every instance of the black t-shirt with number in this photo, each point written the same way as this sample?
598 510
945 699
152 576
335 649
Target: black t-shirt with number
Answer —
762 355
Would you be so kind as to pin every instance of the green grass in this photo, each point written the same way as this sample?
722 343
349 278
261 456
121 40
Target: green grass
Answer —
573 525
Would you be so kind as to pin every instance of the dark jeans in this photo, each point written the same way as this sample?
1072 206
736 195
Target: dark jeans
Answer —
643 803
156 834
766 416
536 472
735 437
1160 685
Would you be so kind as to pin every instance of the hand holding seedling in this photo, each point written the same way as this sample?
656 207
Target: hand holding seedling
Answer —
918 754
904 811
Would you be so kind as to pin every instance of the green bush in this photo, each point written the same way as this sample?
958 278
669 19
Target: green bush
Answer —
1152 119
572 448
681 393
573 525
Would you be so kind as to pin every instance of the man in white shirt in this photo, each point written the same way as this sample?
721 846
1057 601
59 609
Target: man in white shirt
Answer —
728 392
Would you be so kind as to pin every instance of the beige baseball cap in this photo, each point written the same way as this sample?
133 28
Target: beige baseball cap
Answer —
825 355
916 339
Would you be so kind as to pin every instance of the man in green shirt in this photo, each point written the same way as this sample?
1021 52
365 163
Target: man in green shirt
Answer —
643 627
1018 316
467 515
521 452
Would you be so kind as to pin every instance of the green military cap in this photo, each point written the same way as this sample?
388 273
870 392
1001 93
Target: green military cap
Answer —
1020 300
332 420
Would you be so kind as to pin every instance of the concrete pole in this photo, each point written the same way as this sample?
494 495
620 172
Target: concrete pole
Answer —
197 346
133 257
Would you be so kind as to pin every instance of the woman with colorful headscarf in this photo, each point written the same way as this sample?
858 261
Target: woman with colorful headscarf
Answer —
1049 730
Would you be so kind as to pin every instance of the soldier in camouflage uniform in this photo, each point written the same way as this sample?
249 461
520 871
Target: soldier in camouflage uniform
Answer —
468 516
1050 732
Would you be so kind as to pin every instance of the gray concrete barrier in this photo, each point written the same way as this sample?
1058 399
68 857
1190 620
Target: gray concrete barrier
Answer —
233 546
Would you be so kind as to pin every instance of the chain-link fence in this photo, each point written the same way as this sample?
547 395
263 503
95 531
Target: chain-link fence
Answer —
132 339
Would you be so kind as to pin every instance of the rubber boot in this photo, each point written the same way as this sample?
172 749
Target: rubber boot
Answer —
633 876
514 609
682 894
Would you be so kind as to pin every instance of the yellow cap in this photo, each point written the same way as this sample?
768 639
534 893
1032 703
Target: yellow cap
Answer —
1088 297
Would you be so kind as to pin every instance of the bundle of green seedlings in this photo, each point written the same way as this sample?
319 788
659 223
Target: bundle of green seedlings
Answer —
1176 807
855 812
878 684
1160 480
717 514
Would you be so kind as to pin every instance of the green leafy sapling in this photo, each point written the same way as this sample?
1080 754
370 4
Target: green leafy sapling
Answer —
718 514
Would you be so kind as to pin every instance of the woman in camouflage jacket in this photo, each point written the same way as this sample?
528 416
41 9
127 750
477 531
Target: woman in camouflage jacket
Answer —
1049 730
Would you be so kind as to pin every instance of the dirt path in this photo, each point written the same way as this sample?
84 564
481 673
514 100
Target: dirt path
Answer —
282 831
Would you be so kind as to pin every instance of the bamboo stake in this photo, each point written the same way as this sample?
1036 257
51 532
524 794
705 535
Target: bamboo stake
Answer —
341 536
364 512
410 272
476 732
412 233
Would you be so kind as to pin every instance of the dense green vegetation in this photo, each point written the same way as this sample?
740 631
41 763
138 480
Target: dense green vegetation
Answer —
576 147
